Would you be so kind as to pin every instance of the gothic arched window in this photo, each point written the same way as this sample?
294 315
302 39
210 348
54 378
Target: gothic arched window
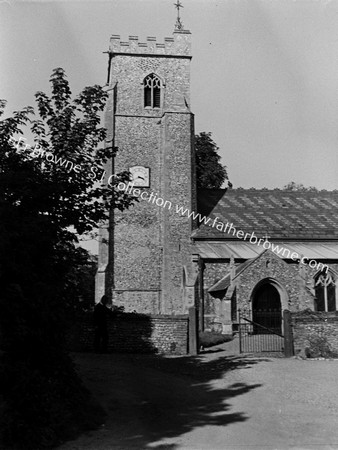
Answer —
325 288
152 91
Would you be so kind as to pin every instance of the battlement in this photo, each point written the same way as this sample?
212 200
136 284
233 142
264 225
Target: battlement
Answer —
178 45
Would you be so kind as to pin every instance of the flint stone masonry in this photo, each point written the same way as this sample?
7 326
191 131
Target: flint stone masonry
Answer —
143 249
310 325
135 333
212 273
276 269
295 281
128 74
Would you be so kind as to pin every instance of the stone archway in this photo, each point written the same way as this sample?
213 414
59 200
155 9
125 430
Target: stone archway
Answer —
267 308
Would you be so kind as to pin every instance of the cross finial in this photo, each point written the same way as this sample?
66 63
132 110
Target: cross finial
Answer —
266 237
178 24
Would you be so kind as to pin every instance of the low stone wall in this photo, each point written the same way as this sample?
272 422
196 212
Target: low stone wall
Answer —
135 333
316 331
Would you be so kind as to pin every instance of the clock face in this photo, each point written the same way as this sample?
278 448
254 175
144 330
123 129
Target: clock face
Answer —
140 176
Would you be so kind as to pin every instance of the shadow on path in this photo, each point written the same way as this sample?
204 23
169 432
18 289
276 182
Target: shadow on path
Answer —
150 398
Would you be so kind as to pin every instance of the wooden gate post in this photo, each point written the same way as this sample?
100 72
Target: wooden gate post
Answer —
288 335
240 331
193 331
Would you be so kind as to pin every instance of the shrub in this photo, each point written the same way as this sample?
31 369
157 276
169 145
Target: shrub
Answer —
210 338
42 408
42 400
318 344
319 347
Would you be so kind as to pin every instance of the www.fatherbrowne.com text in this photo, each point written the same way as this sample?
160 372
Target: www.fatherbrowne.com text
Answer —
228 228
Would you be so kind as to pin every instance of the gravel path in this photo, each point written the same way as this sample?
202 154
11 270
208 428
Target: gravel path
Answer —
218 400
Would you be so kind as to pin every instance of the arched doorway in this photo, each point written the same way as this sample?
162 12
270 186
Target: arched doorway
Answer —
266 309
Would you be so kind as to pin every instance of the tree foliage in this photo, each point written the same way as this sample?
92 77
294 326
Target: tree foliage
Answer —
209 171
43 206
292 186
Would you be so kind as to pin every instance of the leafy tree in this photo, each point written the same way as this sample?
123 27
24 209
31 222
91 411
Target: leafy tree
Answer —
292 186
80 284
48 195
209 171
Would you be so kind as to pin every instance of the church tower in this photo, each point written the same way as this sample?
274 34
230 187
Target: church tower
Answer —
143 249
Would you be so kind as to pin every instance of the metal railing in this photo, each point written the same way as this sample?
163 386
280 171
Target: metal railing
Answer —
257 338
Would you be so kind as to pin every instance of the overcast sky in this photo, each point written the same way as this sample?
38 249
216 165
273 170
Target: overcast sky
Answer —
264 73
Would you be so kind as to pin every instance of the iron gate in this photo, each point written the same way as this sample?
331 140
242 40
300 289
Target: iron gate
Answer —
256 338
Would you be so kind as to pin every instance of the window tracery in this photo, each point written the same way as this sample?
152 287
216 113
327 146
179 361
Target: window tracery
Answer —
152 91
325 288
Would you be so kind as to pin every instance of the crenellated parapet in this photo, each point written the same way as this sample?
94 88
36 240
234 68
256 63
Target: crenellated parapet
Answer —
178 45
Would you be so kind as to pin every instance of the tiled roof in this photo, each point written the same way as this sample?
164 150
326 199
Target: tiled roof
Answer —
239 249
281 214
